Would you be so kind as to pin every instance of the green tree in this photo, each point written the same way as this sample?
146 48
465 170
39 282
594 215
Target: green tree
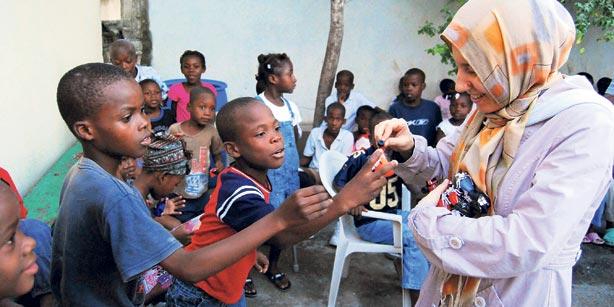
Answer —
588 13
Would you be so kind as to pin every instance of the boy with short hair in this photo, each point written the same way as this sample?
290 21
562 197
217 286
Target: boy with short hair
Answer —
344 94
241 197
330 137
123 54
361 135
415 266
104 236
422 115
202 139
160 116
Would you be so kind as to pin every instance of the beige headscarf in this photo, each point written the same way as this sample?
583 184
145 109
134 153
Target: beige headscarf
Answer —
516 48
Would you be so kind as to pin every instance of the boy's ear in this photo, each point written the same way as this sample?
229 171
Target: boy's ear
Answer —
423 85
232 149
160 177
83 130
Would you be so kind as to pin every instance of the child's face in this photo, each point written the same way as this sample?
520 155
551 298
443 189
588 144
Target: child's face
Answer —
334 120
127 168
286 81
344 86
120 127
165 185
152 95
202 110
362 120
259 141
17 259
412 86
459 108
122 58
192 68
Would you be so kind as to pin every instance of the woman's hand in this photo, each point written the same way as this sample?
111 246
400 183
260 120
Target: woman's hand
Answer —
433 197
396 136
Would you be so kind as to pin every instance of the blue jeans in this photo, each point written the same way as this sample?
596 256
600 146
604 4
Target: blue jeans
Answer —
183 294
415 266
284 179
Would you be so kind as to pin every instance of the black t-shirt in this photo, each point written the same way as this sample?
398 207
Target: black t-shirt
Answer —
161 123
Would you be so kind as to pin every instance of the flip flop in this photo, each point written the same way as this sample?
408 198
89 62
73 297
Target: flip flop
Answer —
595 238
249 288
278 279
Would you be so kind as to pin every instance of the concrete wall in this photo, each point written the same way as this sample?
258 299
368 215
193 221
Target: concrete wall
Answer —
380 42
41 40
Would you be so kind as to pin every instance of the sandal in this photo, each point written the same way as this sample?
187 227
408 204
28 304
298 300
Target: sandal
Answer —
279 280
249 288
594 238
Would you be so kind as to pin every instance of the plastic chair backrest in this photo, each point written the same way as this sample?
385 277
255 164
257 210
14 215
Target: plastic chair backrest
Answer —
330 164
220 87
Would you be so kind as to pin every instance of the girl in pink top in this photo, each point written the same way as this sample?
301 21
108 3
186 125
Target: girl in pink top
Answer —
192 67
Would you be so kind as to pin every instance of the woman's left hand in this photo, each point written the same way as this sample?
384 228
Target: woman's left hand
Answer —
433 197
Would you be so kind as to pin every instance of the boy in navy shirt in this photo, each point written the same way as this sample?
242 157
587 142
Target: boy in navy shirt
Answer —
415 266
104 237
251 135
422 115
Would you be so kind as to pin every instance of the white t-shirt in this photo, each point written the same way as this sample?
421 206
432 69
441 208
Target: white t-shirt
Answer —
282 113
447 127
351 104
315 145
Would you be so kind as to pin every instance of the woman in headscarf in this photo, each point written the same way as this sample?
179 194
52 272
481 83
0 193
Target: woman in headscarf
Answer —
539 146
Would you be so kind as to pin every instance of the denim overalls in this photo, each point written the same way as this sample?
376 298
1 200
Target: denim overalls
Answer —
284 179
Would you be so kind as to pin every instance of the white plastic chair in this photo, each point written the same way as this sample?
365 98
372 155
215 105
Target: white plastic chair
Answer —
349 241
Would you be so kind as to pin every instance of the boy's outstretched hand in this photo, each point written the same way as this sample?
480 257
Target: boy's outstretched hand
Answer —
304 205
172 205
366 185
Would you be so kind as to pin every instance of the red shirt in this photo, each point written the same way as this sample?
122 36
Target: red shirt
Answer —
4 176
236 202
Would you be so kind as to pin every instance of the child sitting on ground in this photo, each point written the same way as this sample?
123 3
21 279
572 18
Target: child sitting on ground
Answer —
123 54
361 135
160 117
415 266
422 115
241 197
460 107
331 137
446 86
193 66
202 140
103 241
344 94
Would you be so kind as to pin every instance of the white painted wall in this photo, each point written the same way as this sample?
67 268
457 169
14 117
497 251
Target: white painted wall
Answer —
380 43
41 40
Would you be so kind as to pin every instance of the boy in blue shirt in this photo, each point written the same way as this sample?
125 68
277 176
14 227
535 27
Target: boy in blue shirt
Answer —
422 115
415 266
104 237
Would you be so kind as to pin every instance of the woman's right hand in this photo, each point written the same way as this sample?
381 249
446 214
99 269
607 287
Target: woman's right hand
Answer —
396 136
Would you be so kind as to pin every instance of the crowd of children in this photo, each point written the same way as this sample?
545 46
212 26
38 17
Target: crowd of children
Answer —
152 211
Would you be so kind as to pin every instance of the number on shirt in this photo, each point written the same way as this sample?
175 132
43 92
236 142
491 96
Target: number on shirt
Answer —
388 196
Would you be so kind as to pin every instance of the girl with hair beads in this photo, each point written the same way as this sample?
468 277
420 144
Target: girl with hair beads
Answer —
193 66
276 77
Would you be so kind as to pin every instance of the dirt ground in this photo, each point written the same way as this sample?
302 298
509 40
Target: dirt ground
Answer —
372 280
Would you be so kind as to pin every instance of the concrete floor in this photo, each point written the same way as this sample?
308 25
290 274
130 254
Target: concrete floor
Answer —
372 280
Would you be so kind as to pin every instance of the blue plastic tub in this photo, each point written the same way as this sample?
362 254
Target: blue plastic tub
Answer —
220 87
